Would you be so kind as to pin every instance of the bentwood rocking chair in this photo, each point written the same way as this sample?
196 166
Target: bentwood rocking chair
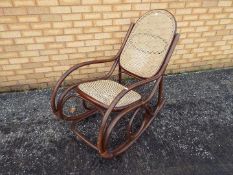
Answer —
144 55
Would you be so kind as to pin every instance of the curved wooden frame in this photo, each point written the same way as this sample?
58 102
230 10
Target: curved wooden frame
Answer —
106 128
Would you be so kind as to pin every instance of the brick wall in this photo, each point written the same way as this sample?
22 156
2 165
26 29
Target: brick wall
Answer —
40 39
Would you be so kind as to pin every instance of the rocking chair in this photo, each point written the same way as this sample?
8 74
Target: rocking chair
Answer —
144 55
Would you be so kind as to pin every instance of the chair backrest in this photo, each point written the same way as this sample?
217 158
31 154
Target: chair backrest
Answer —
148 43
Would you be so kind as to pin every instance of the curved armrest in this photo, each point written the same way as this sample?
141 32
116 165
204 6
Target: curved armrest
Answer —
131 87
118 98
75 67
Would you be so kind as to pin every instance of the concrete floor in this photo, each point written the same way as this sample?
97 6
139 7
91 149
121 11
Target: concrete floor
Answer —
192 135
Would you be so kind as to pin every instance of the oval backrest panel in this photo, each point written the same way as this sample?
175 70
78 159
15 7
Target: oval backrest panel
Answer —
148 43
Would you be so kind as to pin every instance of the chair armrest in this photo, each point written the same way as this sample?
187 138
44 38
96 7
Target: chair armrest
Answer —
75 67
117 99
133 86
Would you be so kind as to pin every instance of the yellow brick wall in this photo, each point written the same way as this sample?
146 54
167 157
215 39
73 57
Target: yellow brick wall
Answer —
40 39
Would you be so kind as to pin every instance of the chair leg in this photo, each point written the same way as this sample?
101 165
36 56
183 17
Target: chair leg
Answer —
103 145
149 116
104 149
119 74
160 93
85 105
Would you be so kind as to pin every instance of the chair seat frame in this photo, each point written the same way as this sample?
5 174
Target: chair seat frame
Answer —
105 129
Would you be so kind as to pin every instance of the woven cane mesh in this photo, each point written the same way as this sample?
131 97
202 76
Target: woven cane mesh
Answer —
148 43
105 92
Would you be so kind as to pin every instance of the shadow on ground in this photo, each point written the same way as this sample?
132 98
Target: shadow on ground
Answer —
192 135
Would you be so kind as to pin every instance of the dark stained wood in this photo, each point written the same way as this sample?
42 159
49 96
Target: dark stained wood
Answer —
106 128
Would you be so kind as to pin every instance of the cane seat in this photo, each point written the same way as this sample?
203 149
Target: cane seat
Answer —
105 91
